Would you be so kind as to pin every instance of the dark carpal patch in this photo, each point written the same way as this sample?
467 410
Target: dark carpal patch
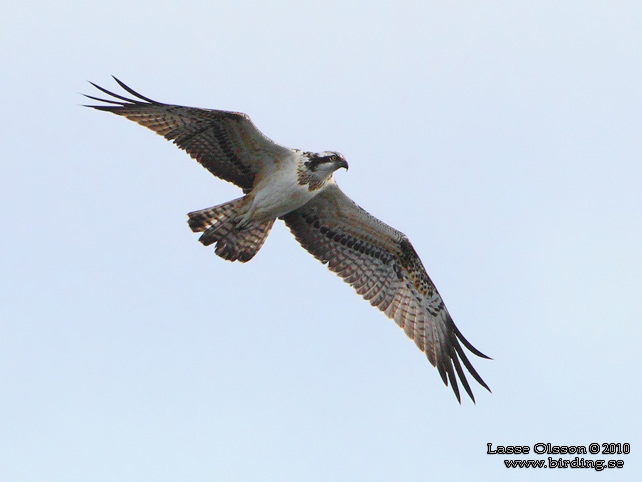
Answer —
410 261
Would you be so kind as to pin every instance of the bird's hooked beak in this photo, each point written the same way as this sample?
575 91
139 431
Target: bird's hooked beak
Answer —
343 163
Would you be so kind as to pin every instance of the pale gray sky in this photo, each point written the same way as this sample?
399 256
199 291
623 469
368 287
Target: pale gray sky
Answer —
504 138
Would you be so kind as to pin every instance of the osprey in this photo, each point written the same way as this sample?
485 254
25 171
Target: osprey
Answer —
299 188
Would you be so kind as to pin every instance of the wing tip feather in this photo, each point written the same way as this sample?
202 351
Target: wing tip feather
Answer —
118 101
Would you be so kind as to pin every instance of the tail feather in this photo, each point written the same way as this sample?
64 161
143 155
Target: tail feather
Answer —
218 225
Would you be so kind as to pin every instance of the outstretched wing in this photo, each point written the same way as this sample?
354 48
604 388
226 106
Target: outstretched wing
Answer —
227 144
383 267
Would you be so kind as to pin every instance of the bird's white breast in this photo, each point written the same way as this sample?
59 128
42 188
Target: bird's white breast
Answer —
279 191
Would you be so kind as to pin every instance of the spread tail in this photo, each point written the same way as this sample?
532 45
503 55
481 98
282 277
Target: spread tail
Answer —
219 225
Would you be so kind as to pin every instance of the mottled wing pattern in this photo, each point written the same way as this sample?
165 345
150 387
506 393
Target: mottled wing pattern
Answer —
383 267
225 143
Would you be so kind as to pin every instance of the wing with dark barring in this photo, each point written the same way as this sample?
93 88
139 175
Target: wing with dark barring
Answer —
226 143
382 266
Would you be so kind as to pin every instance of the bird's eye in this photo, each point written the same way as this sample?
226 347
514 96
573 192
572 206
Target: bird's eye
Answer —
333 157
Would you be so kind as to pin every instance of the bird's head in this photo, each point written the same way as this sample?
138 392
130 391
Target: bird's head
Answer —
316 169
325 163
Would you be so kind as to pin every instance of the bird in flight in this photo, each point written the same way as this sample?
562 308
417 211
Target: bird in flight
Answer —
299 187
